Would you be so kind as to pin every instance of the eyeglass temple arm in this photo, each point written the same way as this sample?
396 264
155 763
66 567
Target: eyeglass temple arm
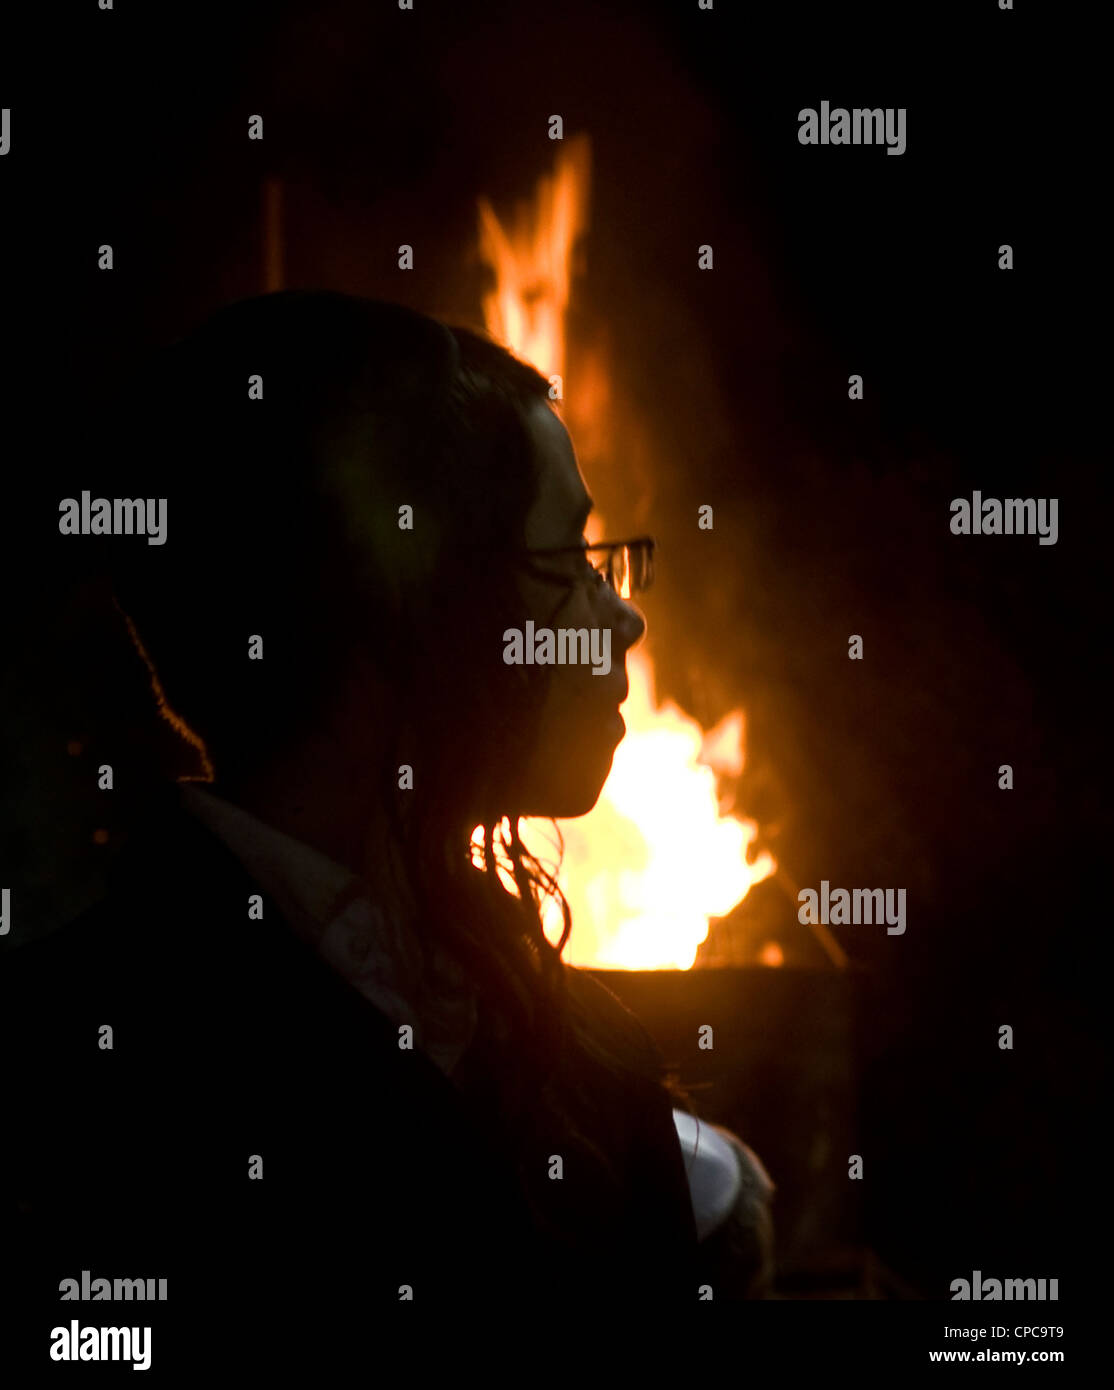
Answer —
639 542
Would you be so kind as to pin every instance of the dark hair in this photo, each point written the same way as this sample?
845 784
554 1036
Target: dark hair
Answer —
283 520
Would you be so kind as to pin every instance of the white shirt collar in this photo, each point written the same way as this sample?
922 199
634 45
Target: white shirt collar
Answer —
334 911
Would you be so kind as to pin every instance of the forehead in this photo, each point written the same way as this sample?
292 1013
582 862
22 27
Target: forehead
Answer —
562 497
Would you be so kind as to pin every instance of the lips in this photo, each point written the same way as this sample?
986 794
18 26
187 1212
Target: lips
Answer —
619 722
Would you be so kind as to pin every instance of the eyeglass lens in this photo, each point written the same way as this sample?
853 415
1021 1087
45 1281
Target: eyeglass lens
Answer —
629 569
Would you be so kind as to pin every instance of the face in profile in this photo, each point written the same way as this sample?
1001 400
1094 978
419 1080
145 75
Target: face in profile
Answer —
580 726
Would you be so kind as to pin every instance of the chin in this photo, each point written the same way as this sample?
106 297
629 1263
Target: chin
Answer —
573 805
574 795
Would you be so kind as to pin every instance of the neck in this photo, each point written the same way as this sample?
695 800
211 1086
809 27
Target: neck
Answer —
336 811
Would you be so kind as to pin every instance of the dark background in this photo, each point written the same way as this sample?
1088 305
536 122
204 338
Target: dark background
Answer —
831 516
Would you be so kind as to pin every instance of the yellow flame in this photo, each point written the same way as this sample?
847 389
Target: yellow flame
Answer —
646 869
526 310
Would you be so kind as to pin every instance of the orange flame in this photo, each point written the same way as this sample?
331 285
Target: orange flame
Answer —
532 265
646 869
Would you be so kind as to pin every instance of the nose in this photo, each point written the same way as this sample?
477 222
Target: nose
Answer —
627 623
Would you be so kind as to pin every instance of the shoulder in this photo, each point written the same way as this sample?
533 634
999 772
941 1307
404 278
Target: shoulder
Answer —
627 1067
640 1118
611 1024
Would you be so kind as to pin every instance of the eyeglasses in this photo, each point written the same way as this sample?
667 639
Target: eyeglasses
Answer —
627 566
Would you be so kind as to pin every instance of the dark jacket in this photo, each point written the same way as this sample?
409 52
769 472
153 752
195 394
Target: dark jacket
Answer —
231 1038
